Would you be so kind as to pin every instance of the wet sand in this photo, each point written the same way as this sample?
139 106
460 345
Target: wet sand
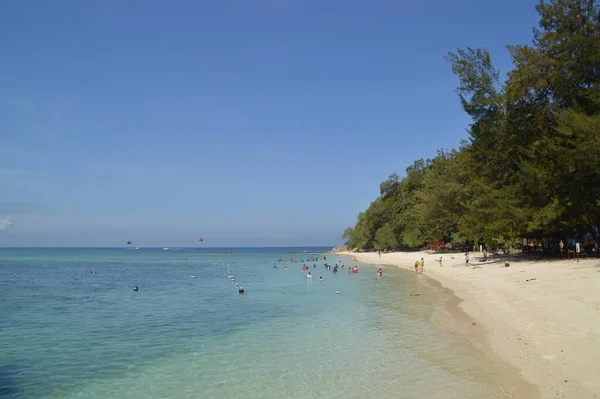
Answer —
537 319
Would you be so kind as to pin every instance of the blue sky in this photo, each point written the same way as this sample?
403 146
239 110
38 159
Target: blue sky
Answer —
248 122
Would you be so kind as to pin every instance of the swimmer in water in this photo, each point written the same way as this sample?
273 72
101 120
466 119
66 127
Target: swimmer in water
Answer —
135 288
309 275
321 278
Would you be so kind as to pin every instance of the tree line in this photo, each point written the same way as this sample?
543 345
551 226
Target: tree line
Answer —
531 164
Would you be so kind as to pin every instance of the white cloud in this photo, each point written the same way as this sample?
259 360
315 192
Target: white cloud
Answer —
5 223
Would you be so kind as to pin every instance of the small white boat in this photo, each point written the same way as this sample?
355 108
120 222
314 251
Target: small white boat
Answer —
165 249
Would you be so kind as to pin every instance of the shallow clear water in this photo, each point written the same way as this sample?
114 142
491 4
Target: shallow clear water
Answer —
66 333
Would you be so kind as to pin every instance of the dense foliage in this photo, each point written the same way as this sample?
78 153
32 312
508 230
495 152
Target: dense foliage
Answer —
531 166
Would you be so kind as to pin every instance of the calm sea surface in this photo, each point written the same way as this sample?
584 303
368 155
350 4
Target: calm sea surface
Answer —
68 333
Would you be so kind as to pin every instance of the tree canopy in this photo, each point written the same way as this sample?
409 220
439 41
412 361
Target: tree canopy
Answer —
531 165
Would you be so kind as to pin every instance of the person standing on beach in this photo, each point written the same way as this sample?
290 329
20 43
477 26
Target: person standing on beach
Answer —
419 266
467 258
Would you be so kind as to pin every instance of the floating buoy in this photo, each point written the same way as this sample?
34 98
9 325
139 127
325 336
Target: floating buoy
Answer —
337 292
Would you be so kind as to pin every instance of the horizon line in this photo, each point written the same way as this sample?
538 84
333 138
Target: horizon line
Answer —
170 247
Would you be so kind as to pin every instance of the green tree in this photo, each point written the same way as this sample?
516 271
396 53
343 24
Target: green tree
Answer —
385 238
555 89
531 165
445 195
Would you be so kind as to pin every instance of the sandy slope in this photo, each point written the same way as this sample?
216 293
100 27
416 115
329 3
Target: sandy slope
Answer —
549 327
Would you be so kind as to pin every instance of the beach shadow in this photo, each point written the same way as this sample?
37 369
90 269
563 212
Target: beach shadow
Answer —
9 375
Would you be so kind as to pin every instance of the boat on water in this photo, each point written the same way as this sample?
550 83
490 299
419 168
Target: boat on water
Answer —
165 249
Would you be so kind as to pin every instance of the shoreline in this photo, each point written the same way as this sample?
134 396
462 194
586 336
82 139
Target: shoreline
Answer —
547 329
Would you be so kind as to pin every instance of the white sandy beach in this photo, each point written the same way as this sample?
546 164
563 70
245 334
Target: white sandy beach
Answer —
549 328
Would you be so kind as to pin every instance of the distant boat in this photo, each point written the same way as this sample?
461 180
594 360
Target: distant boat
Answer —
165 249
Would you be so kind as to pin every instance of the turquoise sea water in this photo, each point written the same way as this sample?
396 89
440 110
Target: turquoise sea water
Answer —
67 333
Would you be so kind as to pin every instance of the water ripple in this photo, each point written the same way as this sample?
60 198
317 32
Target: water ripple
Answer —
69 333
